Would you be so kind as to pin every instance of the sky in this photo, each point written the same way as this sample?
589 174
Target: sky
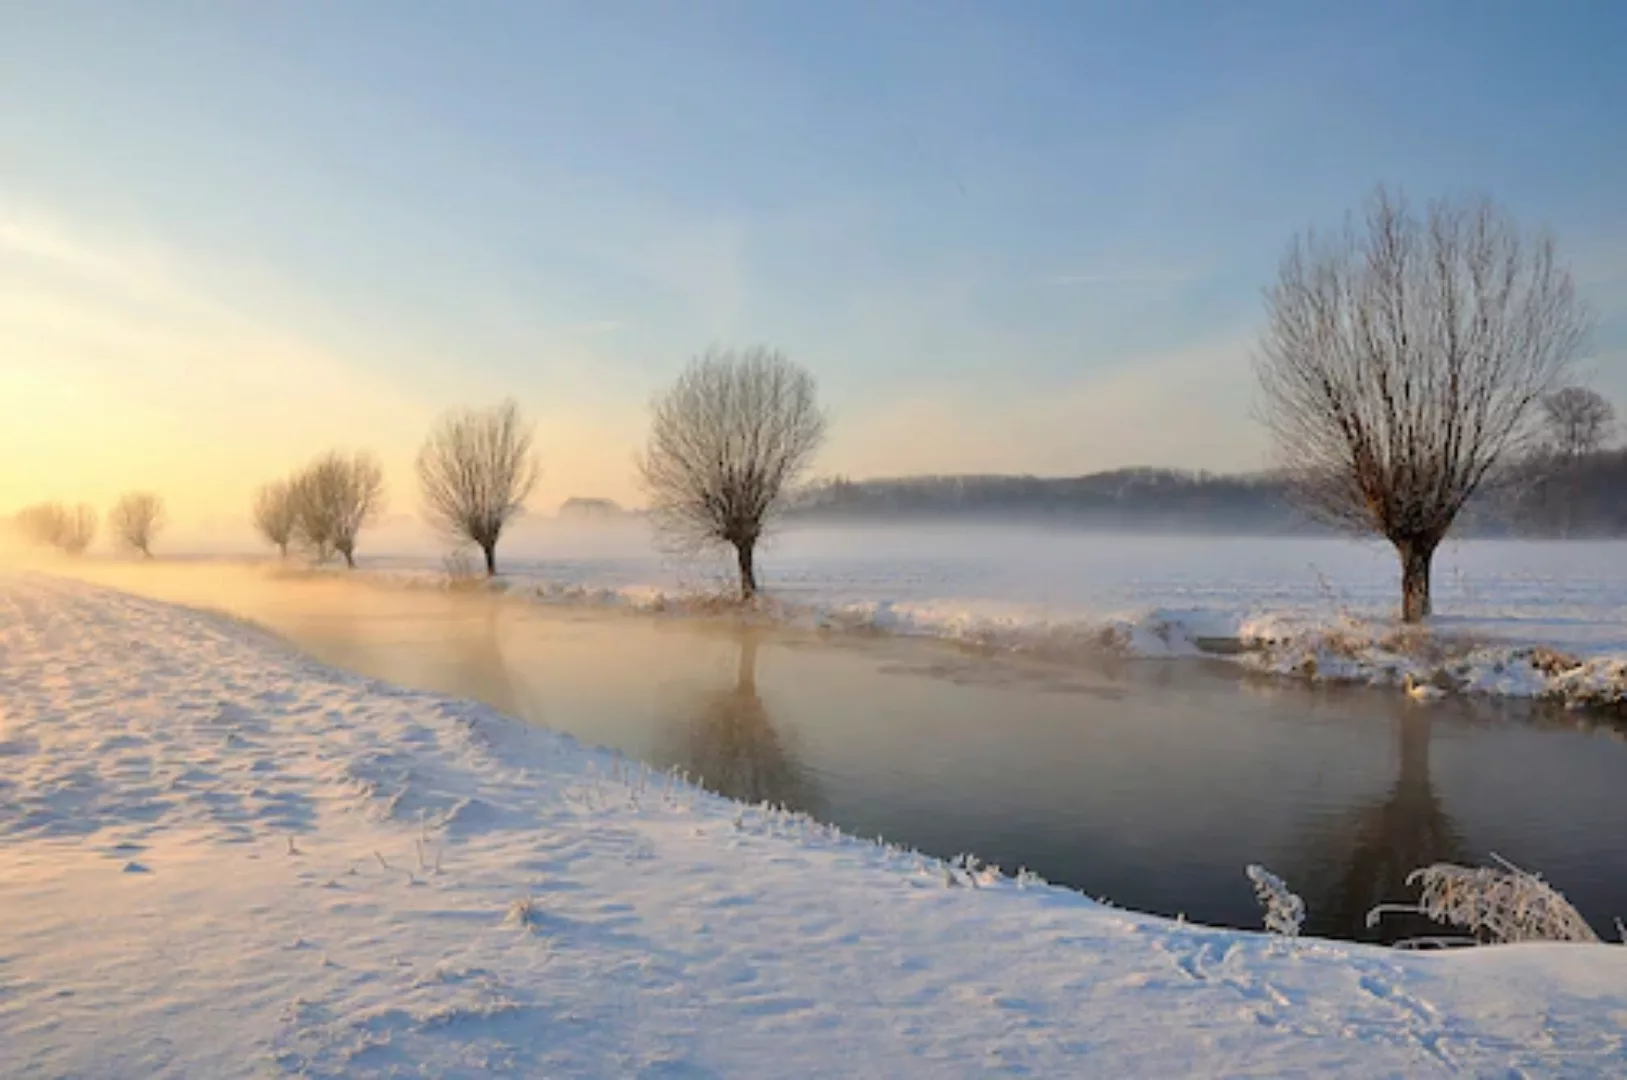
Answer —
1005 237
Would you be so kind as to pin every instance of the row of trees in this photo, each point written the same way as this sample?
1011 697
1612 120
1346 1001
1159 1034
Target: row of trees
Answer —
727 443
135 520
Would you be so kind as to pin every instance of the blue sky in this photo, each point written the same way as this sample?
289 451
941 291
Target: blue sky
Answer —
1006 236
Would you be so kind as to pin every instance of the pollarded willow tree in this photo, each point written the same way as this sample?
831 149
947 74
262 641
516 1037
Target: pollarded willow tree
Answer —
135 520
475 471
334 497
276 514
1405 359
727 441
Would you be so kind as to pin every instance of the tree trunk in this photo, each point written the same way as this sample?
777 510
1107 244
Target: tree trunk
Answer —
350 558
491 559
748 568
1415 562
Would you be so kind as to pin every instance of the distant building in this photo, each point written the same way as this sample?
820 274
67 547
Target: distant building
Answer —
580 509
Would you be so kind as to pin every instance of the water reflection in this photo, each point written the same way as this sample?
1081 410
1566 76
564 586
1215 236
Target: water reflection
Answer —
728 740
481 653
1381 844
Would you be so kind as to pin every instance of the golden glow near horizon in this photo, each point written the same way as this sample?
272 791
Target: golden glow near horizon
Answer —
118 375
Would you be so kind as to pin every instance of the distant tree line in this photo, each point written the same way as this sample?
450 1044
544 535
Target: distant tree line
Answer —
1543 497
1126 498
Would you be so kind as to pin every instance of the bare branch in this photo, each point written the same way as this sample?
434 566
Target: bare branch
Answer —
475 471
726 442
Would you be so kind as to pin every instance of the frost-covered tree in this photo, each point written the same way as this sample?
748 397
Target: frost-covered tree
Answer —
135 519
727 440
42 523
334 498
1405 359
78 530
475 472
276 514
69 529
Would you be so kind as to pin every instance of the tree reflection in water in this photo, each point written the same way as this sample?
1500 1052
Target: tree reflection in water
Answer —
479 651
728 742
1378 846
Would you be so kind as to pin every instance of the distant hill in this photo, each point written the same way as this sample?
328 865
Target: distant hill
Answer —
587 509
1539 499
1124 498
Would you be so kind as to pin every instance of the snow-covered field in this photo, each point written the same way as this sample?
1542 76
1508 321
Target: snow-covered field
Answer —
1514 618
221 859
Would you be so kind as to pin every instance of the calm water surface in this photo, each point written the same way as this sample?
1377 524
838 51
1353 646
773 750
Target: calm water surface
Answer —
1149 783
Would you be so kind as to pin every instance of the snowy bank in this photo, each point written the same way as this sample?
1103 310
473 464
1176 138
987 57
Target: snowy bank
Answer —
225 860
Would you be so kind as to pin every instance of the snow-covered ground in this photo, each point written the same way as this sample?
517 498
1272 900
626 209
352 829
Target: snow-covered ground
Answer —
222 859
1515 618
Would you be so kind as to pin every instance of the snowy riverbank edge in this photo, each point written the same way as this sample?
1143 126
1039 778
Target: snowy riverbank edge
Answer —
1483 656
224 859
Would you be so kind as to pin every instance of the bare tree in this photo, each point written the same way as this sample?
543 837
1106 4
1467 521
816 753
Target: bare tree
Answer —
275 514
475 471
334 497
78 529
42 524
1578 421
135 519
313 519
726 441
68 529
1403 361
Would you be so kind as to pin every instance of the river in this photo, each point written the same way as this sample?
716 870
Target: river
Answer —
1149 783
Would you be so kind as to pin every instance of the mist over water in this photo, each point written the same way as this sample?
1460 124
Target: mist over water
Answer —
1061 569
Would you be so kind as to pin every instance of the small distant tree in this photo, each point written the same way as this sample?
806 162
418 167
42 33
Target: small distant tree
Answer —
78 529
275 514
1404 360
42 524
1578 420
135 519
726 442
475 471
334 498
313 520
